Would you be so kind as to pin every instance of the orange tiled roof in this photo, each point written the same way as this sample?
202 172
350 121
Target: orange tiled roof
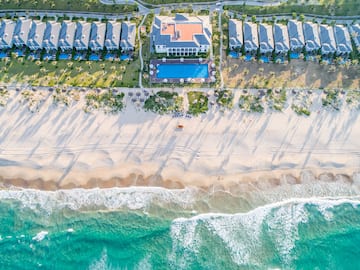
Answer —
181 31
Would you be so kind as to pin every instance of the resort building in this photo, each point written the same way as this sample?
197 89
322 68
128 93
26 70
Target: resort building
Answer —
112 38
7 28
181 35
311 35
128 35
251 41
51 36
67 35
296 35
36 35
97 36
235 34
82 36
266 40
343 41
281 39
355 34
327 39
21 32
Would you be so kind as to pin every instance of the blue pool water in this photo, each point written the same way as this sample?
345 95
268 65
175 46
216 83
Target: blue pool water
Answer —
2 55
109 56
19 53
183 71
234 54
248 57
94 57
124 57
265 59
63 56
294 55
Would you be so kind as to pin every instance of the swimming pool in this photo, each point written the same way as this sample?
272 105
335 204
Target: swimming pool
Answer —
182 71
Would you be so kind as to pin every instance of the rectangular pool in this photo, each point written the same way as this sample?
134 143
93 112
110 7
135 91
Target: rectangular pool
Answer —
176 71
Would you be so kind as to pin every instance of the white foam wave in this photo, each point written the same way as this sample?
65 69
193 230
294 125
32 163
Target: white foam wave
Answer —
40 236
70 230
134 198
243 234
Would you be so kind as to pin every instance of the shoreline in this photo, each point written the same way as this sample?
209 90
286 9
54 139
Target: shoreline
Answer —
241 182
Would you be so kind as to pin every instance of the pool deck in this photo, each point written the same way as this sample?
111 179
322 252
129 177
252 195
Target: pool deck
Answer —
156 62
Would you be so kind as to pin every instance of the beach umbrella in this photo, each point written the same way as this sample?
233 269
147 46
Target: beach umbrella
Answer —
164 59
181 80
182 59
202 80
151 66
213 65
146 93
165 80
130 94
151 72
188 79
200 59
133 99
213 79
138 94
213 72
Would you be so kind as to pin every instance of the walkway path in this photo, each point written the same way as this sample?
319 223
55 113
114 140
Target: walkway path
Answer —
221 50
140 52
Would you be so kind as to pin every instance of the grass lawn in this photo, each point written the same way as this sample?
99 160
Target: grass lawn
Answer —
72 73
79 5
198 102
224 98
325 7
250 103
164 102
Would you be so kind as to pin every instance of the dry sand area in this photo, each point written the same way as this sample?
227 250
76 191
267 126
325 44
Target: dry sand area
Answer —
61 147
298 74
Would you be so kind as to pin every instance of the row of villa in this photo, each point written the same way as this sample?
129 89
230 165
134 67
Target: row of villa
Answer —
294 37
38 35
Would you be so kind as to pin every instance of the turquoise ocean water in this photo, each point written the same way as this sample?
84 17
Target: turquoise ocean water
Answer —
154 228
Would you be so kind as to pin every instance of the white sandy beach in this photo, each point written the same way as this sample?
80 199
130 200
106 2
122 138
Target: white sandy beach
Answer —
70 148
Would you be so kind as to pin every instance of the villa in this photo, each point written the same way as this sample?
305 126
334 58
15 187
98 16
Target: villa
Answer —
296 35
343 40
82 36
251 41
36 35
21 32
235 34
281 39
67 35
128 35
51 36
112 38
311 34
327 38
181 35
266 40
355 34
97 36
7 28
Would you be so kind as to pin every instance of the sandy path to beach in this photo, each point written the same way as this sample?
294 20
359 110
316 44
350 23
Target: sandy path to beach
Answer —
68 147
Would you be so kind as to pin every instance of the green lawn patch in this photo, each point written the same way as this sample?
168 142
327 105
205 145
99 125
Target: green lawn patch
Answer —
353 99
250 103
66 5
164 102
276 99
224 98
331 99
198 102
107 101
